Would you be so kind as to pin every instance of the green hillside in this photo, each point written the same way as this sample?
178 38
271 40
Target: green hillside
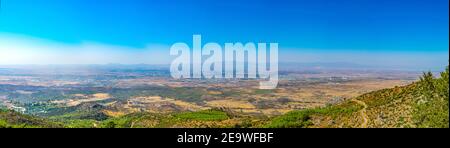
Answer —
423 104
10 119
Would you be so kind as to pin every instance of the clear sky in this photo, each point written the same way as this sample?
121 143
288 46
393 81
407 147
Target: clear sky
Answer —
408 32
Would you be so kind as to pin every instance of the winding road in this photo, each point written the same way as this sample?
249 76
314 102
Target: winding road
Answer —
363 113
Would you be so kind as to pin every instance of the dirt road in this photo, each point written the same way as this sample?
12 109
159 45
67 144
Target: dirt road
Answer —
363 113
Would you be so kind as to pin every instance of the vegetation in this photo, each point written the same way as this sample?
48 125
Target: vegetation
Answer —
302 118
206 118
9 119
207 115
431 108
422 104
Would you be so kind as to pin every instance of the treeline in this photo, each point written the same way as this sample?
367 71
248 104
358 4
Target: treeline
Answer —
431 108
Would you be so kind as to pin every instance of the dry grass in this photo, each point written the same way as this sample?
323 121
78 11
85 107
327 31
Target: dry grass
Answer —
83 99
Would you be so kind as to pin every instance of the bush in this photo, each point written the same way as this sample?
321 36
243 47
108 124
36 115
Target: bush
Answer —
207 115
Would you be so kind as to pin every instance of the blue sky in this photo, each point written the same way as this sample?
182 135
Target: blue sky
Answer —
320 27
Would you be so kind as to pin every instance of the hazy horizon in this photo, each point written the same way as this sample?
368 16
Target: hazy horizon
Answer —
33 51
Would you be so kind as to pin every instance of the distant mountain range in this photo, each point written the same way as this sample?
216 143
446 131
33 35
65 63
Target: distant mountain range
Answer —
283 66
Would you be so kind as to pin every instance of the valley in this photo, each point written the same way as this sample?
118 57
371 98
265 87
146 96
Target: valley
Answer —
141 97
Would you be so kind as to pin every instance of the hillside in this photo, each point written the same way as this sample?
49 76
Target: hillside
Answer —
421 104
10 119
